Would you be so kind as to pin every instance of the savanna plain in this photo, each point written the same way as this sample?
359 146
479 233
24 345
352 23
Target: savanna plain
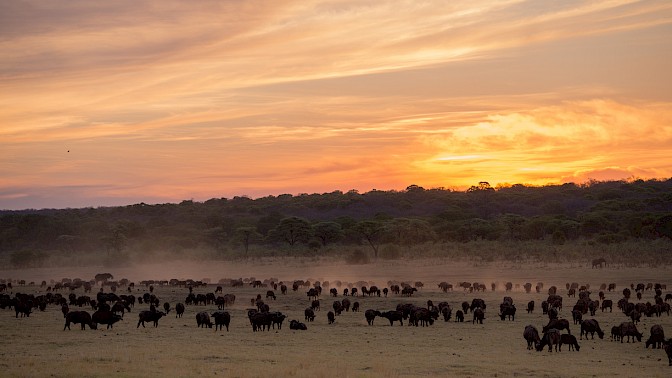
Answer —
39 346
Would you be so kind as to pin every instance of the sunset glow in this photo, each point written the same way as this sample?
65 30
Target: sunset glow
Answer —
112 103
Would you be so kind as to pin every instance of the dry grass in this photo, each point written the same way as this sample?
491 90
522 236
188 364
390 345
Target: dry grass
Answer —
37 346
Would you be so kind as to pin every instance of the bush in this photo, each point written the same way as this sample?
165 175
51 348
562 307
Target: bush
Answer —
357 257
390 252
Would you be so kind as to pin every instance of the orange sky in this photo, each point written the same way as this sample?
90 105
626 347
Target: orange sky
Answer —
160 101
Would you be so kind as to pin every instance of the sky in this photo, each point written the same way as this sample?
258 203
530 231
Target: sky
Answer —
108 103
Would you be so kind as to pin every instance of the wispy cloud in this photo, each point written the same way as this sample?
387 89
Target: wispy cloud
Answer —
214 98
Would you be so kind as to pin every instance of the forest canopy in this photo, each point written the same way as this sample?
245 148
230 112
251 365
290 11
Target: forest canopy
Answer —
598 212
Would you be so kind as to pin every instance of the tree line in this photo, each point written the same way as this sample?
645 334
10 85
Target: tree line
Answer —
599 211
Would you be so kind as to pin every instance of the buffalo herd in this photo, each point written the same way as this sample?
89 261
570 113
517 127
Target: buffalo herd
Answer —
110 307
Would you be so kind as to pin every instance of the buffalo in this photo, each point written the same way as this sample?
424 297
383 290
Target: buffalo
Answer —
222 318
309 314
105 317
531 335
295 324
370 315
667 346
179 310
459 316
330 316
203 319
630 330
507 310
558 325
150 316
79 317
479 315
551 337
530 307
393 316
570 340
657 337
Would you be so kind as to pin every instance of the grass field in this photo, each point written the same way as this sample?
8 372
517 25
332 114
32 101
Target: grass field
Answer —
38 346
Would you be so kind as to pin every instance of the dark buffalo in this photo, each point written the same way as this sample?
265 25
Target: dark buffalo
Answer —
667 345
393 316
338 307
150 316
277 318
315 305
330 317
479 315
295 324
222 318
105 317
179 310
370 315
657 337
531 335
507 310
530 307
459 316
630 330
570 340
270 294
260 320
615 333
607 304
309 314
355 307
557 324
79 317
551 337
577 316
345 303
203 319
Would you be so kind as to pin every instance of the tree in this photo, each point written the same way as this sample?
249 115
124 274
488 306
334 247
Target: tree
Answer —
663 226
247 235
327 232
372 231
292 230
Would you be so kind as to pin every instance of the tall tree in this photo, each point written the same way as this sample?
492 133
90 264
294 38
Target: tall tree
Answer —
371 231
327 232
292 230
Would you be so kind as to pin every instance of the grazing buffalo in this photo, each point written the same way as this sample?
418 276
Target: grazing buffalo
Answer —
270 294
657 337
459 316
507 310
370 315
355 307
79 317
179 310
260 320
166 307
479 315
105 317
630 330
23 308
551 337
119 307
465 307
591 326
315 305
477 303
295 324
446 312
393 316
65 309
309 314
570 340
203 320
557 324
150 316
667 345
222 318
330 317
531 335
